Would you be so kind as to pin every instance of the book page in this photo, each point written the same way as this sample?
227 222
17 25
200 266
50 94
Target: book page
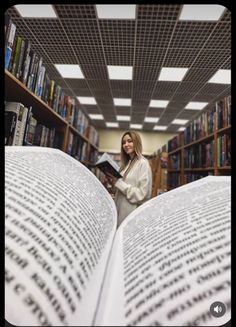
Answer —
60 224
174 261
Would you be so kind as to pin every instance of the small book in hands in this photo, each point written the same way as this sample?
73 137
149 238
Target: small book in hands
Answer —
107 165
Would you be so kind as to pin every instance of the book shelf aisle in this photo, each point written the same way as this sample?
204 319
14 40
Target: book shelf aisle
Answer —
204 148
38 109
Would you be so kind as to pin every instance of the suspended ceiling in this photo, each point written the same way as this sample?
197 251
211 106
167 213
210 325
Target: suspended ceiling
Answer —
156 38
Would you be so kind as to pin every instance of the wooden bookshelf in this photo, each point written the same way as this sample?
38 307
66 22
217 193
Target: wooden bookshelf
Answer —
159 173
201 140
74 130
178 155
16 91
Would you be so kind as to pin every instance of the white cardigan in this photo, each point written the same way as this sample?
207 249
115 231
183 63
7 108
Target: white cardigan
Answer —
135 190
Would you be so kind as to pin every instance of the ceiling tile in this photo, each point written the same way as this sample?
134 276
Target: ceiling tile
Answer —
155 39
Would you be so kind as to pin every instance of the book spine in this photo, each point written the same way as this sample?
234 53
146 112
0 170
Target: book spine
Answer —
26 69
8 54
52 86
29 115
9 44
10 127
25 62
37 75
34 72
31 131
20 127
30 77
16 56
38 134
14 109
19 68
41 82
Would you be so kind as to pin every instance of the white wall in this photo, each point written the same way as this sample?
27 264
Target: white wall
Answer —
110 140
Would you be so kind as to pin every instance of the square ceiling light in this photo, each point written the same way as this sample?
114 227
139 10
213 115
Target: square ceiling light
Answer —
172 74
69 71
195 105
159 128
151 119
111 124
120 72
201 12
181 129
123 118
136 126
179 121
36 11
116 11
87 100
122 102
159 103
96 116
222 76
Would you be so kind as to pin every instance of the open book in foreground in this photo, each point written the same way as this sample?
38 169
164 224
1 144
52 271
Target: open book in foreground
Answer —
107 165
67 265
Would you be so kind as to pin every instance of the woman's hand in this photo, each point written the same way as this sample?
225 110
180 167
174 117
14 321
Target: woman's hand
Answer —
112 179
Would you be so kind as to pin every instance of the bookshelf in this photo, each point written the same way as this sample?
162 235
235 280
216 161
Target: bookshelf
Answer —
204 148
16 91
159 172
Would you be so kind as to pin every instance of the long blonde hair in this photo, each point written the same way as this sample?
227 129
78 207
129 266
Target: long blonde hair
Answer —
137 148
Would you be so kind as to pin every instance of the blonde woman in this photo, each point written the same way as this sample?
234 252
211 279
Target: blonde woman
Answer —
135 186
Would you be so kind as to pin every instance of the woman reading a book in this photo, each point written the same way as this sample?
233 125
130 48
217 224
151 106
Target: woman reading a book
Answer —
135 186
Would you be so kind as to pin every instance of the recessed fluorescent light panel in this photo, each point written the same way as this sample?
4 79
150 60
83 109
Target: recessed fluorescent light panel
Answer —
122 102
87 100
158 103
36 11
151 119
136 126
159 128
96 116
179 121
194 105
172 74
222 76
116 11
201 12
110 124
69 71
181 129
123 118
120 72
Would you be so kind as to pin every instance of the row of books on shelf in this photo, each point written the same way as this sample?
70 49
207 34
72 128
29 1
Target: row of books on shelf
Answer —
80 150
191 177
174 179
81 123
174 143
203 155
224 150
215 118
21 128
27 66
